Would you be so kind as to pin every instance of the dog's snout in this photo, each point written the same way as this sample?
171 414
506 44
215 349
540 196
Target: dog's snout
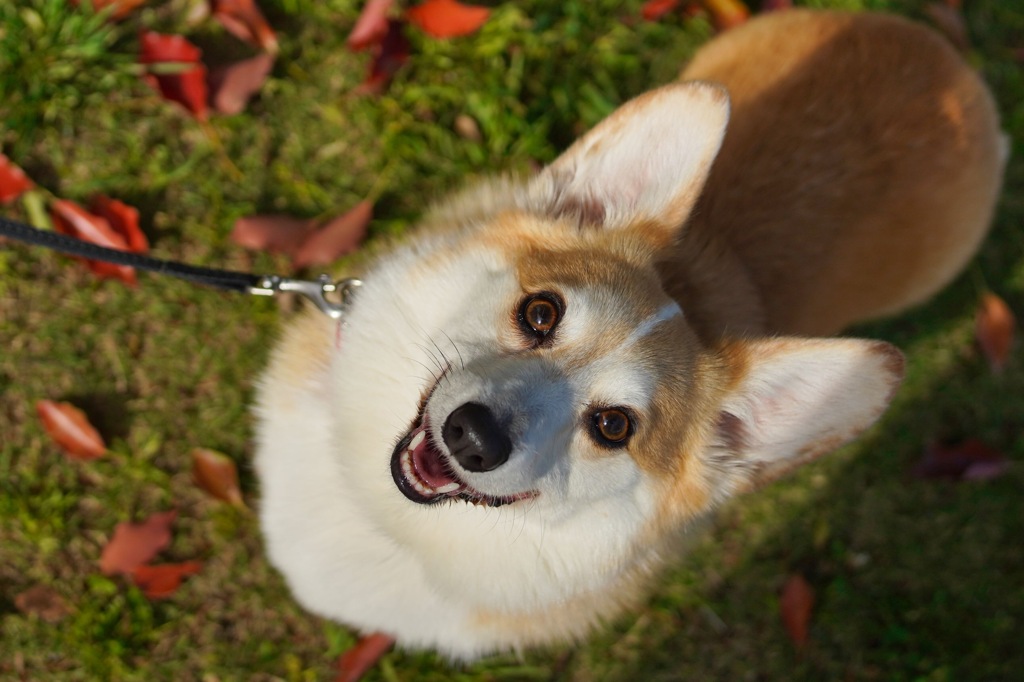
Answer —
475 439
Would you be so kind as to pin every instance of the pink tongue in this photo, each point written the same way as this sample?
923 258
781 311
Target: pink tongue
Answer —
430 468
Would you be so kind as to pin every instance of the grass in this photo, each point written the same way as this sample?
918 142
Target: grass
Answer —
915 580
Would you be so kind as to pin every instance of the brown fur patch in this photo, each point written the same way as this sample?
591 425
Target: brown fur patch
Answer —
895 363
304 351
585 212
867 198
306 346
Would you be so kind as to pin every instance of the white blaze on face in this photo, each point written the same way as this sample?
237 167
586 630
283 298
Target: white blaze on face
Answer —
666 312
616 377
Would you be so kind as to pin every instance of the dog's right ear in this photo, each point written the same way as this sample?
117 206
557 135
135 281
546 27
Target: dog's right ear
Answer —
644 164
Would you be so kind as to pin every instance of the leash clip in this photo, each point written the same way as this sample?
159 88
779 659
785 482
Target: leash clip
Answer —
315 290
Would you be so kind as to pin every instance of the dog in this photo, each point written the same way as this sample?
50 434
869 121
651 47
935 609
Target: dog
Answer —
533 399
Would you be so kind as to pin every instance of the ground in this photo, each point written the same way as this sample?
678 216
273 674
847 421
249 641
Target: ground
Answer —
915 580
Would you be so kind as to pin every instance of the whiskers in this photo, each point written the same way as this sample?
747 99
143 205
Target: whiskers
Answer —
443 365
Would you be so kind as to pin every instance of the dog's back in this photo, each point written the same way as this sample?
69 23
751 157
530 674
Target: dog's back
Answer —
858 174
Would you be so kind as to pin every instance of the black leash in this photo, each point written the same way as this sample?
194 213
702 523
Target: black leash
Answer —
229 280
222 279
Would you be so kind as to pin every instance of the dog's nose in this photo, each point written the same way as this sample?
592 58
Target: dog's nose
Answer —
475 438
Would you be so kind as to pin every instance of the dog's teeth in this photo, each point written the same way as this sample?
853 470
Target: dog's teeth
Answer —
448 488
417 439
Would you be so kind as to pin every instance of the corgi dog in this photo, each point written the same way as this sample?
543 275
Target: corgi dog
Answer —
532 399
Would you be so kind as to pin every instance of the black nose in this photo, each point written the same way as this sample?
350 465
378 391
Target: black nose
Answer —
475 438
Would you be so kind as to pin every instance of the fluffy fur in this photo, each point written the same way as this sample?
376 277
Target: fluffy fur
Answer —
857 174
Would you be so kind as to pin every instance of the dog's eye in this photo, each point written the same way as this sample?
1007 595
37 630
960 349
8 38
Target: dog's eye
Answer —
539 314
611 427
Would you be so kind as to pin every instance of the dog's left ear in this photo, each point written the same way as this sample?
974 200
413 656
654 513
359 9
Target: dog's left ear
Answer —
795 399
644 164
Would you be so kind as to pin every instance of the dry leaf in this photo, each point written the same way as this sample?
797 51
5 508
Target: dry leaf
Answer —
244 20
120 8
447 18
13 181
336 238
970 459
388 56
71 219
44 602
162 580
726 14
123 219
693 9
652 10
187 87
232 86
273 233
795 606
134 544
467 128
372 25
994 326
216 473
355 662
70 430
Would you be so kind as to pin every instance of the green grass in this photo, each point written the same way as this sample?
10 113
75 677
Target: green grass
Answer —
915 580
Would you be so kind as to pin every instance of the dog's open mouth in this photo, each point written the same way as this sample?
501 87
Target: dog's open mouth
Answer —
423 474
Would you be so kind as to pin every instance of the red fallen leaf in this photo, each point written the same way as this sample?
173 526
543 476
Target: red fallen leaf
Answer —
795 606
994 326
355 662
372 25
692 9
653 10
161 580
950 22
986 471
123 219
970 459
232 86
134 544
216 474
273 233
121 8
447 18
775 5
726 14
187 88
244 20
13 181
71 219
70 430
44 602
388 56
337 237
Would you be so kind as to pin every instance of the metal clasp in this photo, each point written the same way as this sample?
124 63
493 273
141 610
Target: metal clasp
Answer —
314 290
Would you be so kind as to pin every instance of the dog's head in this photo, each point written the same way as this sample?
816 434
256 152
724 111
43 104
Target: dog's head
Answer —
524 406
